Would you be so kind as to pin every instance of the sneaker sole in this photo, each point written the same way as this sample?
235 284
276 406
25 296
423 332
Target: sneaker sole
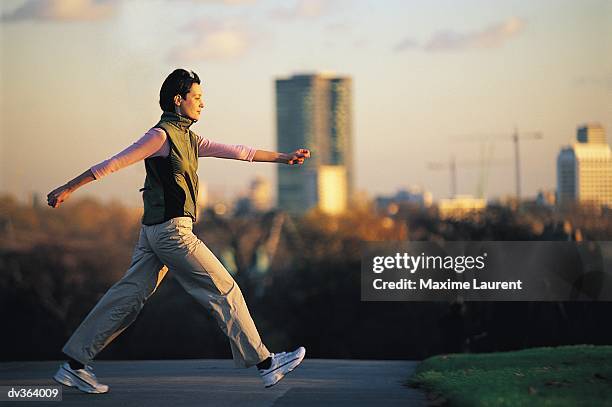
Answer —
291 369
69 379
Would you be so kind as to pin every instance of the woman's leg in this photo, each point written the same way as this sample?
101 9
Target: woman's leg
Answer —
120 306
203 276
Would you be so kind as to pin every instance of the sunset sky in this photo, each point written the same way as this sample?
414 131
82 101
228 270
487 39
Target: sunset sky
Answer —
80 81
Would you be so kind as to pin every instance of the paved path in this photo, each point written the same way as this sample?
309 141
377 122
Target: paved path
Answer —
316 382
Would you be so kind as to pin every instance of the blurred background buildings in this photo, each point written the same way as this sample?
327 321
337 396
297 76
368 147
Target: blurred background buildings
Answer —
314 111
584 169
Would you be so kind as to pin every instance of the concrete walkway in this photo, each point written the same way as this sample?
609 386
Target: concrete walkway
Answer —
316 382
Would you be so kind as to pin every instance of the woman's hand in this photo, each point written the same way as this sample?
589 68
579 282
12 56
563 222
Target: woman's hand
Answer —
298 156
58 195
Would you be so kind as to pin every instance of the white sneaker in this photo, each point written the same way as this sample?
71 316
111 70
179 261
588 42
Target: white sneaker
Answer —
83 379
281 364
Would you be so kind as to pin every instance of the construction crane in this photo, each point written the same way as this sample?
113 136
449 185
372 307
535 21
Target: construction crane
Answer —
514 137
451 166
517 162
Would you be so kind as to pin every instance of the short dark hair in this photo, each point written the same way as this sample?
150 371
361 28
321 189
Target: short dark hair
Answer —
177 83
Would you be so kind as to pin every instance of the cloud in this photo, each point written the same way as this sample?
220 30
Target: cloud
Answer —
303 9
62 10
492 36
603 81
214 41
405 44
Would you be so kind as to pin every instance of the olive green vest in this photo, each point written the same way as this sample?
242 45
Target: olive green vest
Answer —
171 185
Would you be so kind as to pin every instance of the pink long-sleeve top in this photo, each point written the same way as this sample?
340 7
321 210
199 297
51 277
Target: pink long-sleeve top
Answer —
155 144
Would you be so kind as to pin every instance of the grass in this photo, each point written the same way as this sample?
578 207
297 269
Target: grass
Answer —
562 376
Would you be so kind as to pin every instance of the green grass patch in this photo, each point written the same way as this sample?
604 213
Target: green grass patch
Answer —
561 376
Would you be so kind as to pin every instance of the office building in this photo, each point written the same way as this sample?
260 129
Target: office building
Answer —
584 169
314 111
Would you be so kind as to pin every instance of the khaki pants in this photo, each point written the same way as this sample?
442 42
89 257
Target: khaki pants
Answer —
196 269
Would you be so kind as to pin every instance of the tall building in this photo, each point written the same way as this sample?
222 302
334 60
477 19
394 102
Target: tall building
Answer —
314 111
591 134
584 169
327 189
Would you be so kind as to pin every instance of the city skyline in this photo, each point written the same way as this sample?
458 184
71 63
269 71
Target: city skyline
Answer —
79 84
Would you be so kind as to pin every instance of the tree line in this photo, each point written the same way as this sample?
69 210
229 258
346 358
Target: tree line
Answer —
300 277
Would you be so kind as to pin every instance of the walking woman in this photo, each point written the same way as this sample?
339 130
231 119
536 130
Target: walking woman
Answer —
170 151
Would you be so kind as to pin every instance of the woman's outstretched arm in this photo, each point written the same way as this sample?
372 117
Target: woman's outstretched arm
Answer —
60 194
296 157
209 148
152 144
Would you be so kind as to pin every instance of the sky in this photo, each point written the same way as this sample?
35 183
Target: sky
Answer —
80 81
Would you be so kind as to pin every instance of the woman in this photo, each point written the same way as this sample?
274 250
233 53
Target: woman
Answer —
170 151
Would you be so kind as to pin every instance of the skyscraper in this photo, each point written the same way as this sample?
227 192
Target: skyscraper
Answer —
314 111
584 169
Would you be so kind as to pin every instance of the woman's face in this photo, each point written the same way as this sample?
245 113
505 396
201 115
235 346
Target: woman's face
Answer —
193 103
